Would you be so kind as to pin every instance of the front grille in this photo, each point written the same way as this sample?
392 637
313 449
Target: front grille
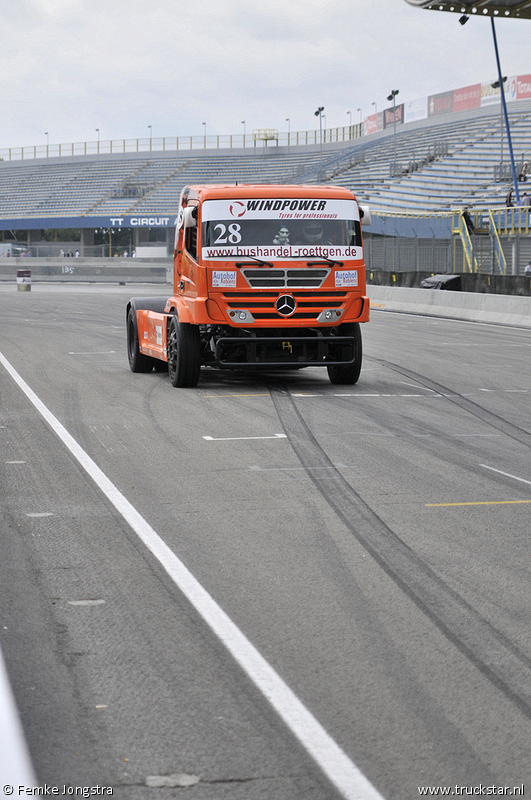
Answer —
321 296
285 278
295 315
262 304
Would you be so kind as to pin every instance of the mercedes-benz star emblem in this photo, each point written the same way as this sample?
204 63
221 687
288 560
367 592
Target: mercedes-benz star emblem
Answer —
285 305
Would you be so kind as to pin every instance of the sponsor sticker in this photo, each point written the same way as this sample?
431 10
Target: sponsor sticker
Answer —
278 208
223 278
347 277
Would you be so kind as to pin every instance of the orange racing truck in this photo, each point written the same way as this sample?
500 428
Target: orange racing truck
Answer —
265 277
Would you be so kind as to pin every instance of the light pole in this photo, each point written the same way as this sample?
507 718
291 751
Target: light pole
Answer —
47 142
150 136
289 127
392 97
204 133
496 85
349 124
504 106
243 123
319 113
98 132
375 108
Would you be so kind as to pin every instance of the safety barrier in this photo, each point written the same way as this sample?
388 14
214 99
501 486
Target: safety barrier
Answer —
493 308
87 270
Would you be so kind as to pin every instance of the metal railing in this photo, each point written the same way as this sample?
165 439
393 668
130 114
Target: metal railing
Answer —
470 261
501 261
248 141
509 221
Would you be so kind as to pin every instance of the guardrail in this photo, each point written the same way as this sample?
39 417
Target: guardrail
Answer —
506 221
252 141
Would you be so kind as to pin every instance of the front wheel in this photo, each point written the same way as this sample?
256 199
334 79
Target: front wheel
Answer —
348 373
137 360
184 353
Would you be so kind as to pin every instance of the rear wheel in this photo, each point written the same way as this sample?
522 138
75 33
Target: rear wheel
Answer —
137 360
184 353
348 373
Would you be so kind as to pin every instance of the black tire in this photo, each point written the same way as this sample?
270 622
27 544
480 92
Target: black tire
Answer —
348 373
137 360
184 353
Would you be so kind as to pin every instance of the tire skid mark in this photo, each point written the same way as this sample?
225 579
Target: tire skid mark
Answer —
495 421
488 649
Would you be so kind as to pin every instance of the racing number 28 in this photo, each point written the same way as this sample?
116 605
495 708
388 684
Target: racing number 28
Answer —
233 236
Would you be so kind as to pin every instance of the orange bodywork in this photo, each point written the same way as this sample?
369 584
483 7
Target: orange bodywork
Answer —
210 288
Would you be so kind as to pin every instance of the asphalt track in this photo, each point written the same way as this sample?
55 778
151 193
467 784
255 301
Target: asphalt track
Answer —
277 587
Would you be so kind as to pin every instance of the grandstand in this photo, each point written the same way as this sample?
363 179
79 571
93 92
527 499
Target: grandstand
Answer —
430 166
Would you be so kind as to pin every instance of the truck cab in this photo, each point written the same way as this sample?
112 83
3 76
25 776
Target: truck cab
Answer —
265 277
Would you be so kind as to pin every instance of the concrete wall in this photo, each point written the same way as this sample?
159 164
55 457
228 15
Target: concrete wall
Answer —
474 307
91 270
493 308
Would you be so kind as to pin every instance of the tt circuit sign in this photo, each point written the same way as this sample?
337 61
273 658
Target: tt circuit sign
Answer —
142 222
116 222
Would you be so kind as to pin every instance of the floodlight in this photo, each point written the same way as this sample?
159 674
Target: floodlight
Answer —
496 84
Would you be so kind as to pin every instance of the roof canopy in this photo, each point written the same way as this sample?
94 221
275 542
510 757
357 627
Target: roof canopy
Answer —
487 8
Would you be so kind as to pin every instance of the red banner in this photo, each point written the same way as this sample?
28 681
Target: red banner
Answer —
371 124
467 98
523 87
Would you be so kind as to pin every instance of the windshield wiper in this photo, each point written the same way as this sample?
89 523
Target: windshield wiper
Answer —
324 261
258 261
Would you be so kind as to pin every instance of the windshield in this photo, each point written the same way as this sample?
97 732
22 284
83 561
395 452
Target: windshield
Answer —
280 229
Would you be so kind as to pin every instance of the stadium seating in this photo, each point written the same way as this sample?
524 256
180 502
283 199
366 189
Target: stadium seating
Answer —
440 164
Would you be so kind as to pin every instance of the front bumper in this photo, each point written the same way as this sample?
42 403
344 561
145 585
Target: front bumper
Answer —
282 351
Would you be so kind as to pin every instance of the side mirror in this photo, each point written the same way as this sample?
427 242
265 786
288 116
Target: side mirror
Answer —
365 215
190 216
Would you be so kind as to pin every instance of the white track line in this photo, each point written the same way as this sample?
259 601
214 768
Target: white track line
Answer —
507 474
244 438
15 764
333 761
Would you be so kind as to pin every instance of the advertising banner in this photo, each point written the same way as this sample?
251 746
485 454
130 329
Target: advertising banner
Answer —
280 228
389 118
488 94
523 87
440 104
416 109
374 123
467 98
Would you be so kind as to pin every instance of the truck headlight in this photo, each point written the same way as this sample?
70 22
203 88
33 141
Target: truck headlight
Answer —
241 315
330 314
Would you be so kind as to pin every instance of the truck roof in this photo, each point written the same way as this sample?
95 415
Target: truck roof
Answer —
239 190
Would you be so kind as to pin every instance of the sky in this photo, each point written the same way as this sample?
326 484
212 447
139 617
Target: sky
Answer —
186 67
